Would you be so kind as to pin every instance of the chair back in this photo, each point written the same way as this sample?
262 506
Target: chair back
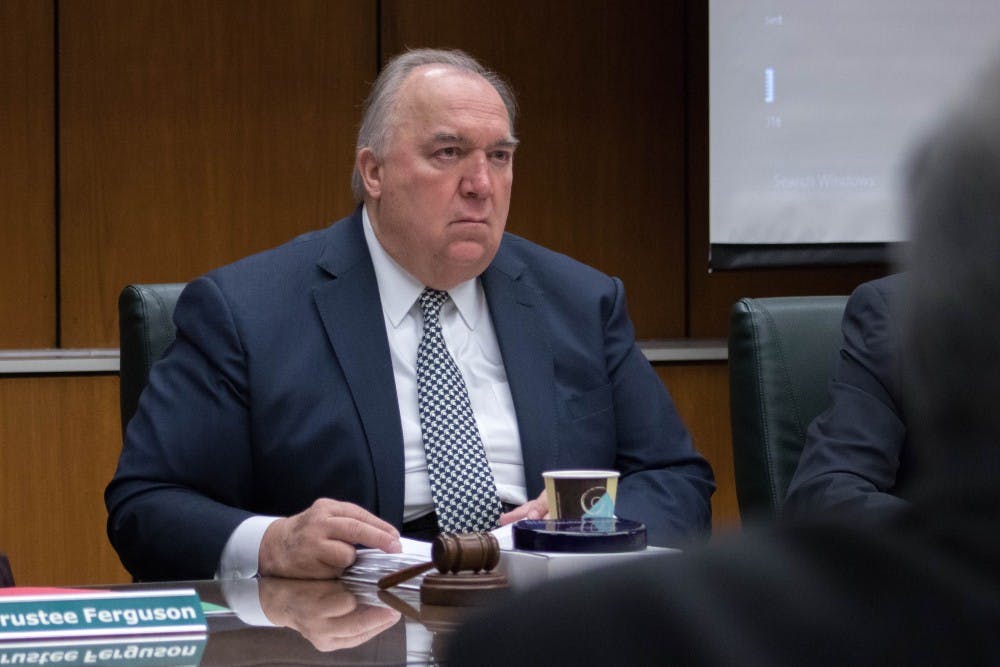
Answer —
781 356
146 329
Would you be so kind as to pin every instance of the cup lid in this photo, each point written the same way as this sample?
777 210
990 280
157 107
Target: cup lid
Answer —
581 473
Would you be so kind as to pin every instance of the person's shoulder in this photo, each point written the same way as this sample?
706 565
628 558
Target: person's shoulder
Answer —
293 253
873 317
545 263
883 294
889 287
297 256
284 272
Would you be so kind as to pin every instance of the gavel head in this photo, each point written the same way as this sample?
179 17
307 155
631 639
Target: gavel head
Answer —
456 552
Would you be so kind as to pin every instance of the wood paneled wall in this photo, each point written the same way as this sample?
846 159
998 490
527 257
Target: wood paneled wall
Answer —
193 133
701 393
150 140
59 444
189 133
27 175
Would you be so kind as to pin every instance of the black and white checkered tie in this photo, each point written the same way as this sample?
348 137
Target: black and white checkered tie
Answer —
465 495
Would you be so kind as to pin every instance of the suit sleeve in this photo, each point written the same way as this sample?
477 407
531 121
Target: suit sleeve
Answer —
852 451
665 483
186 462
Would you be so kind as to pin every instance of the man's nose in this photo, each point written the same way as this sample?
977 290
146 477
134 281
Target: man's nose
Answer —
476 179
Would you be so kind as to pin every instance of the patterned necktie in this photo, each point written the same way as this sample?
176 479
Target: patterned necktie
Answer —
465 495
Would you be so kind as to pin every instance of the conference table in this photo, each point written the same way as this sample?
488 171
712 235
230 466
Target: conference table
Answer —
271 621
347 621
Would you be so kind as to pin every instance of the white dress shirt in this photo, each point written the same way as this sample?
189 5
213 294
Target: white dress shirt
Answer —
468 333
471 340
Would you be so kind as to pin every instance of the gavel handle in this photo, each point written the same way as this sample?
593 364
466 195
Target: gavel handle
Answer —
399 576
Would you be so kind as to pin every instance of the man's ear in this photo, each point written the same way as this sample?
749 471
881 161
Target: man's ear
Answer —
371 172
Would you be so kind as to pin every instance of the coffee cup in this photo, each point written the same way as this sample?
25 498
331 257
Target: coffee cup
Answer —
581 494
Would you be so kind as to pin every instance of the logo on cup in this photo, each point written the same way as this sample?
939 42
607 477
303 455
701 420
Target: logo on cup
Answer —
595 502
581 494
591 497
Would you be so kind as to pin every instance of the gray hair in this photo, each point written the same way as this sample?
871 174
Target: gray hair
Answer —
377 115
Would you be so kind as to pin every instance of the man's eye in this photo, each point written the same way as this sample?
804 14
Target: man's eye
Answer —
502 156
447 152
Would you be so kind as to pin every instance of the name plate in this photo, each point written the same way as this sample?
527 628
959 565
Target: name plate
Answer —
99 613
172 650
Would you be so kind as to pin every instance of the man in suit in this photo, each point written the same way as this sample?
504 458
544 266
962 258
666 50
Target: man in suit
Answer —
922 588
284 427
856 459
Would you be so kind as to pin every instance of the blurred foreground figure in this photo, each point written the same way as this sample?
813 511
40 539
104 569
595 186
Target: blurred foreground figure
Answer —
924 589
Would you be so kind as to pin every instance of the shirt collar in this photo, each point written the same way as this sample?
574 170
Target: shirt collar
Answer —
399 290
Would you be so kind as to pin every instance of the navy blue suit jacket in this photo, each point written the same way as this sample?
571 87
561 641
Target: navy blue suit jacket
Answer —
856 457
279 390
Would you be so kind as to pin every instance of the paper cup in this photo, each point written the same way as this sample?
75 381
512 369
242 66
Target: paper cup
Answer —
581 494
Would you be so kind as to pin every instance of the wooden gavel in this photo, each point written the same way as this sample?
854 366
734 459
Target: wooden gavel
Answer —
454 553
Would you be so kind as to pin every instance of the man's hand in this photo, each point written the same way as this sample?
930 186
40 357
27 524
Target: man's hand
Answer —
533 509
324 612
319 542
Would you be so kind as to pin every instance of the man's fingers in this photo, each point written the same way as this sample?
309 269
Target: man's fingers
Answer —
338 508
533 509
515 514
320 541
359 532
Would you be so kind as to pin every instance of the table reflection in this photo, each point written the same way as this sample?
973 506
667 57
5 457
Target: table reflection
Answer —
333 622
329 615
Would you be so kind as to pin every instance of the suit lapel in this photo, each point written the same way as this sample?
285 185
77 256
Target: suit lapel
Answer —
351 311
527 359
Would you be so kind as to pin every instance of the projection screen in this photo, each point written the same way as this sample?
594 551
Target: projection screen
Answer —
812 109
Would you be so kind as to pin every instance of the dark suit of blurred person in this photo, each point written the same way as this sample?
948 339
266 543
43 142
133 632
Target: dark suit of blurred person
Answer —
857 459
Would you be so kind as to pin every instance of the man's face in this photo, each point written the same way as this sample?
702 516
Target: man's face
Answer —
439 198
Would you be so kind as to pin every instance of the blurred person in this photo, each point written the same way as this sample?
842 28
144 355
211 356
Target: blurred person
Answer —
922 588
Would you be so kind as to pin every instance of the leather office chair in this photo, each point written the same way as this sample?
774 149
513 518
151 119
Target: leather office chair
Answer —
781 356
146 328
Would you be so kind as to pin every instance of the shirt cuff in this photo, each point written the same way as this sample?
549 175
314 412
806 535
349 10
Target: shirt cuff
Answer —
243 597
239 557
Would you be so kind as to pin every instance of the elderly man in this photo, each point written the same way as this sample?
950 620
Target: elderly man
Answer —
411 368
